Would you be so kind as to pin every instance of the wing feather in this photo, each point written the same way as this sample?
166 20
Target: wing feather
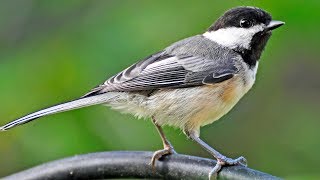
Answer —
167 71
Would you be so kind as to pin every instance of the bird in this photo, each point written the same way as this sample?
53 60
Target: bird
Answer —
189 84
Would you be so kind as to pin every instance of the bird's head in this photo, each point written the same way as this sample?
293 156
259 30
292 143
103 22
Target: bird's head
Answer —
243 28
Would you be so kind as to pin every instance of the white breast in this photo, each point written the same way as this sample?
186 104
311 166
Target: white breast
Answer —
194 107
188 108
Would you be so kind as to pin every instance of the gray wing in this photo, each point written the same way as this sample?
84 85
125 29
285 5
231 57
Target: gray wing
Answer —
163 70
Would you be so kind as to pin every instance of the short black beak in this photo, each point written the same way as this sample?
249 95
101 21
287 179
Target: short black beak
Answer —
274 25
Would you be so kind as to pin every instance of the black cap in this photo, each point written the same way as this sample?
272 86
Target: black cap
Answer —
232 17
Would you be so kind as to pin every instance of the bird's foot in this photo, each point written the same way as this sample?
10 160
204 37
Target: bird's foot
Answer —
160 153
225 161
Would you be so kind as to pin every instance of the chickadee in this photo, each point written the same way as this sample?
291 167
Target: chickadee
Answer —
189 84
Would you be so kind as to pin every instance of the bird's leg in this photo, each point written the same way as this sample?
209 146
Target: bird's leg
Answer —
167 147
221 159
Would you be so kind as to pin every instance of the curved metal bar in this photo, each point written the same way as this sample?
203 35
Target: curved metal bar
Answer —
128 164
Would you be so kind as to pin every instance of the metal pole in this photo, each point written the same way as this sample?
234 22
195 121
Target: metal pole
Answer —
127 164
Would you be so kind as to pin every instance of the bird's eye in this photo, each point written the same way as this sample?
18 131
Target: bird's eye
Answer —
245 23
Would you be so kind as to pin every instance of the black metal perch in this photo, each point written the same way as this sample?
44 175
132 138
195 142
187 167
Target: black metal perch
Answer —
127 164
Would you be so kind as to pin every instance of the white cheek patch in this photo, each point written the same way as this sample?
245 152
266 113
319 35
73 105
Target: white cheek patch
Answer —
255 69
234 37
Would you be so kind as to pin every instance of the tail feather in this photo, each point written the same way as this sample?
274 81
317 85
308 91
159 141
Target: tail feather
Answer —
76 104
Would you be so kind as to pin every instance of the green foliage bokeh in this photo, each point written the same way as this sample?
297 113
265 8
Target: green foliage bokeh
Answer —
55 51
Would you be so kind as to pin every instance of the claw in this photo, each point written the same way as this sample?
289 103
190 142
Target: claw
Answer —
242 161
159 154
213 174
226 161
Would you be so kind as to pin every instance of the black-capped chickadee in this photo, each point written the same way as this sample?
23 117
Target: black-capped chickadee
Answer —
189 84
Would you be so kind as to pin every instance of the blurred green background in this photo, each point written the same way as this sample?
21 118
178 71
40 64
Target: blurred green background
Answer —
54 51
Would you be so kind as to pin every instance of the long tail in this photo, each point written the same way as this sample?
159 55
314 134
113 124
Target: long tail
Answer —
76 104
